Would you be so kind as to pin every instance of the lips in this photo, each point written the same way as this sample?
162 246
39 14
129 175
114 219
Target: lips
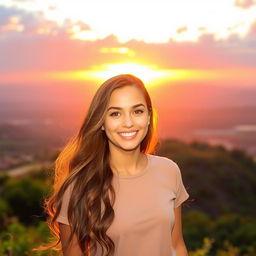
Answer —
128 135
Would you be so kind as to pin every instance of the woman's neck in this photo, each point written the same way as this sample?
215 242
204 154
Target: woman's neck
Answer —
127 163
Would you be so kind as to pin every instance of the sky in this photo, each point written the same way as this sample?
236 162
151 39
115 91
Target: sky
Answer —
199 41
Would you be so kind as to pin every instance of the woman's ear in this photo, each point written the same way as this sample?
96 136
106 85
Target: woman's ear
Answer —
102 128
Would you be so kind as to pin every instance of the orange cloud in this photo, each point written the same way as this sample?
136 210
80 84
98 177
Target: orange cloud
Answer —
118 50
181 30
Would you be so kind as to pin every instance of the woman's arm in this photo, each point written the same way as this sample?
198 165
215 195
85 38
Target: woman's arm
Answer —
177 237
73 248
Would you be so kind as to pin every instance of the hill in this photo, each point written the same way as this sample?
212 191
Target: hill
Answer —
219 181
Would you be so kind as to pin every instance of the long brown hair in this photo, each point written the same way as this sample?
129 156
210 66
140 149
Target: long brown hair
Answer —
84 162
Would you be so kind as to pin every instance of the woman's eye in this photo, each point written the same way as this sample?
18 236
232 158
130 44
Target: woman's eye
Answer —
114 114
139 111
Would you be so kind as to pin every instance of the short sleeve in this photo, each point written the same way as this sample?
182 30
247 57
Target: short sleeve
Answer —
63 215
181 193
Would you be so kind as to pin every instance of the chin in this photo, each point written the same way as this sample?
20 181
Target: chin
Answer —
125 146
130 148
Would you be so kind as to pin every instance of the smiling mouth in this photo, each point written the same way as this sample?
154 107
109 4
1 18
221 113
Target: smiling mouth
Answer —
128 135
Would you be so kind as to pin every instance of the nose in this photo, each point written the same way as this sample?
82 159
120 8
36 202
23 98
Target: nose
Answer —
128 122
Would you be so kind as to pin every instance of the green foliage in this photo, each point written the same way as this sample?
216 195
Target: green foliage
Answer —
206 247
228 233
238 230
197 225
18 239
219 181
25 198
229 250
4 212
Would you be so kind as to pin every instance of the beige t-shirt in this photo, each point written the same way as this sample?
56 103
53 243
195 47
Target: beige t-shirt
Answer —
144 204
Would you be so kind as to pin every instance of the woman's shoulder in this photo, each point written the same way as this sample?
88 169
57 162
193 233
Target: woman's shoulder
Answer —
163 161
68 191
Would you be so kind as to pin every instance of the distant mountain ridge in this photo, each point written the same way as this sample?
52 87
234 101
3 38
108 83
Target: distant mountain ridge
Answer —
218 181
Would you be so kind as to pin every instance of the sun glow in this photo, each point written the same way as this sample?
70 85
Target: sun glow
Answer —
119 50
149 74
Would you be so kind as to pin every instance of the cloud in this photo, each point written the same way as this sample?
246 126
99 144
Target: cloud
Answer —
117 50
6 13
34 24
60 53
245 4
22 1
252 31
11 16
43 45
181 30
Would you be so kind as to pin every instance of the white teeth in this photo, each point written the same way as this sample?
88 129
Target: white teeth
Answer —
127 133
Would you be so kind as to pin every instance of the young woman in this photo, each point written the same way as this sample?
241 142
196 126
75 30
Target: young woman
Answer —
111 196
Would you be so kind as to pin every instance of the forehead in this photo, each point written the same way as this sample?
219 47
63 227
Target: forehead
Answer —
126 96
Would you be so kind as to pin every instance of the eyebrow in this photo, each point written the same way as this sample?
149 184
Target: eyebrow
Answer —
134 106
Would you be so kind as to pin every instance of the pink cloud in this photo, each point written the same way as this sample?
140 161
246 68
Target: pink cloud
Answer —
252 31
245 4
14 19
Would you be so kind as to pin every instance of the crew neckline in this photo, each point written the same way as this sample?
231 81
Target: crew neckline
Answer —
131 176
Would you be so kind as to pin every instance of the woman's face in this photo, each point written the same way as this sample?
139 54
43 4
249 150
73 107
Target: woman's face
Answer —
127 118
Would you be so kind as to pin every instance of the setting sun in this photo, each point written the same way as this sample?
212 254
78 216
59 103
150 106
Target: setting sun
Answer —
148 74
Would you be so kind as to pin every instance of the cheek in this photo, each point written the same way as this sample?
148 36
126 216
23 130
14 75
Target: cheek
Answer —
143 122
111 124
